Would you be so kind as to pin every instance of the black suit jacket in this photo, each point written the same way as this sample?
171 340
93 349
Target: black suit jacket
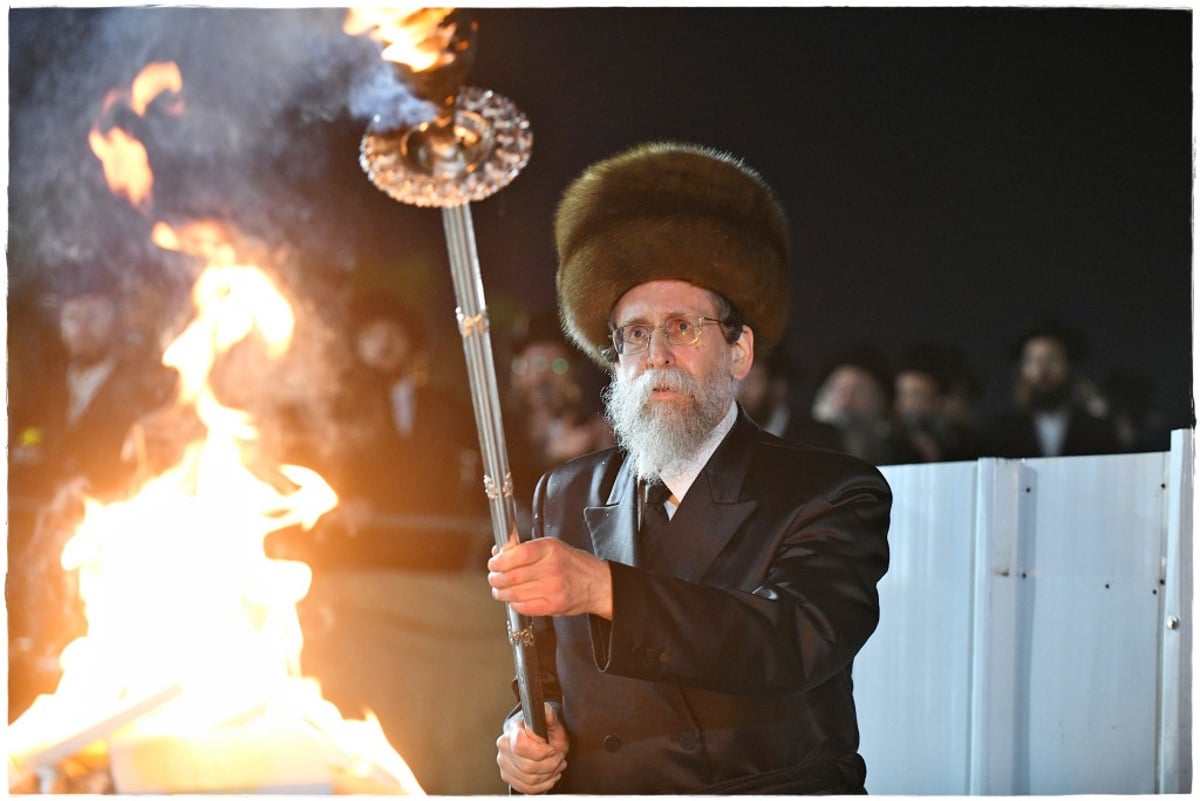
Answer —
91 446
418 473
726 667
1014 436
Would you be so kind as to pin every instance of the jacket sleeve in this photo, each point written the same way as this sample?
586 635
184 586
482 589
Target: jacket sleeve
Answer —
813 609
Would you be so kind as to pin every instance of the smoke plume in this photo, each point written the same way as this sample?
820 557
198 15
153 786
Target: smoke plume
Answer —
264 92
269 98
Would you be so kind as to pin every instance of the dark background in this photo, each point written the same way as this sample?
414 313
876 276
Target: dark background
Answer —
950 174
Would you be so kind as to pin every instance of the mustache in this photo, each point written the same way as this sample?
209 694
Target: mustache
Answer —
662 378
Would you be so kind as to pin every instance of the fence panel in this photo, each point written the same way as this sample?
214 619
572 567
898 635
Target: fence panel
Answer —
1021 642
912 678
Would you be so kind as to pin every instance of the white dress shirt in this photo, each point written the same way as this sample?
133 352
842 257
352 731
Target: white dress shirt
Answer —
680 480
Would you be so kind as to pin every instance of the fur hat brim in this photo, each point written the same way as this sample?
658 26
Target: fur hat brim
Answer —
670 211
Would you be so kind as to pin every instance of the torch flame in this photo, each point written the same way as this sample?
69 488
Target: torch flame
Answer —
412 36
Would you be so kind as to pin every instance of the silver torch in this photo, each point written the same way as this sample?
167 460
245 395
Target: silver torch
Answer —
474 145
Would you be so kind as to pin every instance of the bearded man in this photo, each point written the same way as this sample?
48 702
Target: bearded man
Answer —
700 590
1052 414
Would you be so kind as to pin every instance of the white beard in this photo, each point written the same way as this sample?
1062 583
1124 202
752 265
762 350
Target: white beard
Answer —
661 437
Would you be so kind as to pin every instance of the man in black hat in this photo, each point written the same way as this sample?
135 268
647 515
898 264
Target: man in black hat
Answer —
1049 416
408 462
854 394
71 425
705 585
74 420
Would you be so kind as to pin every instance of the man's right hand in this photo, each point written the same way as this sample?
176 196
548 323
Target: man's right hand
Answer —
529 764
546 577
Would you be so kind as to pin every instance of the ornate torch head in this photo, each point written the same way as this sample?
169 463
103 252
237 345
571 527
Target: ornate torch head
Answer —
476 141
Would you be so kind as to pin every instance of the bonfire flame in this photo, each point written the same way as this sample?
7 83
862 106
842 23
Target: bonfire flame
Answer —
192 630
123 157
176 582
181 600
154 79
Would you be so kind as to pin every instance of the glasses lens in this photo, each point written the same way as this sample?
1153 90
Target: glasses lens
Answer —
632 338
635 338
682 330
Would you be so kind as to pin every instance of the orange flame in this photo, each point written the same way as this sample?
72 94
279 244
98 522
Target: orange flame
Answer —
154 79
126 165
123 158
412 36
190 625
177 587
208 239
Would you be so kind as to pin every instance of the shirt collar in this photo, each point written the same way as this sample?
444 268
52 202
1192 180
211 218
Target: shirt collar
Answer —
681 480
83 382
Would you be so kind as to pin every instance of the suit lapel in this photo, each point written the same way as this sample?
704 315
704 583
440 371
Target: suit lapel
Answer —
697 536
613 525
709 516
711 513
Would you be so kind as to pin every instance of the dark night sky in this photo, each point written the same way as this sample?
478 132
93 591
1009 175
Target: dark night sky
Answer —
950 173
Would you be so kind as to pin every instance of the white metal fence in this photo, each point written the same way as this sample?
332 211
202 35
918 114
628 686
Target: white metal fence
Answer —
1035 635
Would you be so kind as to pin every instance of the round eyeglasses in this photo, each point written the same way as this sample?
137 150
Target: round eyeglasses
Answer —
682 329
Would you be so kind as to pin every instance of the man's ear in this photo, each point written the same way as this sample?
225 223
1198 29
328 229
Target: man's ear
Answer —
743 353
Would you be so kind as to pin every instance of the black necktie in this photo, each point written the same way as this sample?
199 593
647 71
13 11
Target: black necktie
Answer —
654 521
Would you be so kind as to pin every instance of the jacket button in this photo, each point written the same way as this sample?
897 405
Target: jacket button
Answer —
688 740
612 743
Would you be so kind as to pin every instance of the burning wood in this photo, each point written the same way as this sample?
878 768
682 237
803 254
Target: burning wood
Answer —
51 734
268 749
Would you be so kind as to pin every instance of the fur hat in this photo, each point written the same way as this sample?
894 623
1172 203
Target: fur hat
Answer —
670 211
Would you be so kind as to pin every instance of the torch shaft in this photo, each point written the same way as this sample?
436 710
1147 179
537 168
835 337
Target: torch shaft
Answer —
485 398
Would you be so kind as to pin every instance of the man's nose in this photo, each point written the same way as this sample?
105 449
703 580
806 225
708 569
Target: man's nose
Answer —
659 351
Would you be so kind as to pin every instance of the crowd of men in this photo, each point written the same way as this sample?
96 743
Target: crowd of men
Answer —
71 417
926 409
